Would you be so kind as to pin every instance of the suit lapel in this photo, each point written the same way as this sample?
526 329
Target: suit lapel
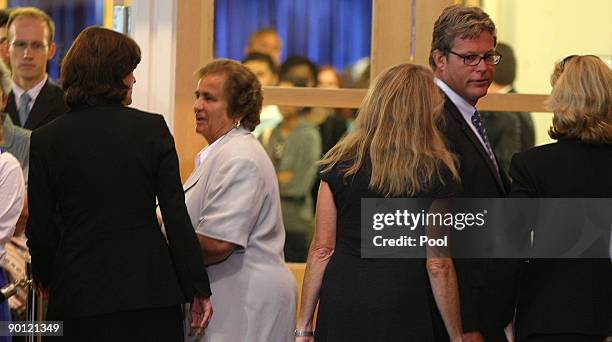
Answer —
467 130
41 108
197 174
11 108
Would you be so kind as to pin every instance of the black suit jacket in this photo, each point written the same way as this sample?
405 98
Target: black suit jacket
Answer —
487 288
48 106
101 169
564 296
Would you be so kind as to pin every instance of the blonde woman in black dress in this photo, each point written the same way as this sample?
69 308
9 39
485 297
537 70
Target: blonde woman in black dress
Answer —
396 150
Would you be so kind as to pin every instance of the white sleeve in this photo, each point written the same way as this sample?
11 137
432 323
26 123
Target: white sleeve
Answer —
234 202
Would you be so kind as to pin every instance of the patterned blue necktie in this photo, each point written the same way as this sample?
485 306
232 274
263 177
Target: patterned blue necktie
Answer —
483 134
24 101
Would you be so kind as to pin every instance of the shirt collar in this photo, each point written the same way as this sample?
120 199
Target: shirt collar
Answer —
33 92
201 156
466 109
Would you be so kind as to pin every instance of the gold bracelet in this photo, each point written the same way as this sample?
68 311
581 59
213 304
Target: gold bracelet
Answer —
302 333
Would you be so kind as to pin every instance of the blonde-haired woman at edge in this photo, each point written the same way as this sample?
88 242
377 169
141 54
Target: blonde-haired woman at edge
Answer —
396 150
568 299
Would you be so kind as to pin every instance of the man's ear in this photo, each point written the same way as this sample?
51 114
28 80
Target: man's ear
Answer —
440 60
52 49
4 49
4 102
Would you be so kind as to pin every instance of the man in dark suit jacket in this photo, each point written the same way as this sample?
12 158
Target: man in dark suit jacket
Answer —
48 106
35 99
463 58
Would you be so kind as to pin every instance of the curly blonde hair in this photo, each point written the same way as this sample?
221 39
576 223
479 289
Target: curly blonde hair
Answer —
581 100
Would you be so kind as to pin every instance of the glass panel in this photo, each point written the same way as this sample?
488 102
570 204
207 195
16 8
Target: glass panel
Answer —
327 32
311 43
545 31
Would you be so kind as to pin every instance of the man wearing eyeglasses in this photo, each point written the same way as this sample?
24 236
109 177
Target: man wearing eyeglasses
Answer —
35 99
4 17
463 58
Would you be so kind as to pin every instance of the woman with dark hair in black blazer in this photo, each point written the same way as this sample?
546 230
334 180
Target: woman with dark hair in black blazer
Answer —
95 174
569 300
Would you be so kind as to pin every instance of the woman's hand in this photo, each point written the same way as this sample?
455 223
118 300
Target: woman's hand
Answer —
304 339
201 312
42 291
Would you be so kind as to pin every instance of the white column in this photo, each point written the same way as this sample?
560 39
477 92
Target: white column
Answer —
154 29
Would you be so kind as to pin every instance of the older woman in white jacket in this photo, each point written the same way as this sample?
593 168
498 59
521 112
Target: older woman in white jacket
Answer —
233 200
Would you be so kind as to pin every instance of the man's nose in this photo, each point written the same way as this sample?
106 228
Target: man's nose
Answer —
197 104
27 52
482 65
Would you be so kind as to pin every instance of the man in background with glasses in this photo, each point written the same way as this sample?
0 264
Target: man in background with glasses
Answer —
4 17
35 99
463 58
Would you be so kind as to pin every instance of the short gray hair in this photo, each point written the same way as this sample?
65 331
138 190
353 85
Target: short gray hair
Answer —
5 79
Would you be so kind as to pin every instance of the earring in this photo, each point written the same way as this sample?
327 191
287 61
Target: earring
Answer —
237 123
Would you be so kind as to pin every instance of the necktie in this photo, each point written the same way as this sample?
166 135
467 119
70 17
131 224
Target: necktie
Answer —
483 134
24 100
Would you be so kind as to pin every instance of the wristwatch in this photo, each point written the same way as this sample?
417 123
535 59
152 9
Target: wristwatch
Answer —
302 333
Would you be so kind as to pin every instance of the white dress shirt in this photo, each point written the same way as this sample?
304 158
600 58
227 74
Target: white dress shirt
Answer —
466 109
33 92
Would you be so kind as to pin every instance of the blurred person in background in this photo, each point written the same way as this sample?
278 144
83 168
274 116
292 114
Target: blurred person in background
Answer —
294 148
332 126
330 122
266 41
16 139
264 68
508 132
96 174
300 67
233 200
4 17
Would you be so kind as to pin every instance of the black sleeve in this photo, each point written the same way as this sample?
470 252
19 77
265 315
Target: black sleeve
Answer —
522 184
184 246
42 229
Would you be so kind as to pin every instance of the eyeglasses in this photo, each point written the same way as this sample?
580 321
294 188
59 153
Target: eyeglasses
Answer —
22 45
491 58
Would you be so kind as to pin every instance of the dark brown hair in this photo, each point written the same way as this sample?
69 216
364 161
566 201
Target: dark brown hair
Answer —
241 89
95 66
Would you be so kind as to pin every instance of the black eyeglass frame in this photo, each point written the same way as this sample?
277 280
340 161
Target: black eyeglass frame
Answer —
493 54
